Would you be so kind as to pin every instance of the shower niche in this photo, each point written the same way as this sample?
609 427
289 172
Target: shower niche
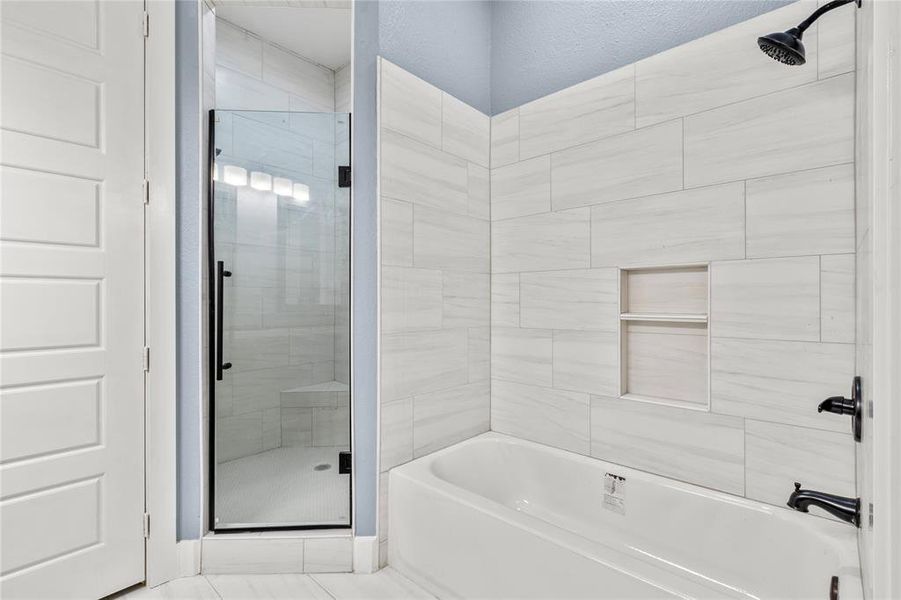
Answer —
664 335
279 327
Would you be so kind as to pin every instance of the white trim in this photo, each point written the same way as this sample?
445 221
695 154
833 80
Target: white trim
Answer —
366 554
188 552
886 289
159 282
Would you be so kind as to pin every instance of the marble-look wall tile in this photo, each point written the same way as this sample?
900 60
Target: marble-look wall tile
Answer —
238 50
411 299
780 381
681 227
638 163
836 42
772 134
596 108
558 240
331 426
837 298
409 105
444 240
479 353
690 445
573 299
674 290
241 92
666 362
415 363
450 416
505 300
272 428
396 223
297 426
554 417
779 455
343 86
240 435
479 191
417 173
328 555
685 80
466 132
774 298
522 355
505 138
466 299
396 419
522 188
311 84
586 361
804 213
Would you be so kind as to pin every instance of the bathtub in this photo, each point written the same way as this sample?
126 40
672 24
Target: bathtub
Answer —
499 517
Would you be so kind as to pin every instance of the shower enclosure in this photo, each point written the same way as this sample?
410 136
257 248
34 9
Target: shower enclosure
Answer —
279 269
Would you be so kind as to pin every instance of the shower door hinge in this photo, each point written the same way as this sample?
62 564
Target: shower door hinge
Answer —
145 191
146 24
344 177
345 463
146 359
146 524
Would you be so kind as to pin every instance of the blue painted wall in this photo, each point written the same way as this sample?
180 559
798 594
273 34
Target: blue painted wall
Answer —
540 46
187 268
364 283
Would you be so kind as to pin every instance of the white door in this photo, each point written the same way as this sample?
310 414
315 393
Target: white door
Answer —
71 297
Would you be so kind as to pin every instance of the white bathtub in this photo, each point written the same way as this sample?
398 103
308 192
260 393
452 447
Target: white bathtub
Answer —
498 517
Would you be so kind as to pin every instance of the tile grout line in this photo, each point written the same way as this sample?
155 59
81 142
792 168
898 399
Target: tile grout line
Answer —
321 586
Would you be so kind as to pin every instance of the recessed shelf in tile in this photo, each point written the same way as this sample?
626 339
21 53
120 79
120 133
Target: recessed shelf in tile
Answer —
664 341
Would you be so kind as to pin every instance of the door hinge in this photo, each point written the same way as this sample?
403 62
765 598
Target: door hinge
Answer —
145 191
146 525
345 463
146 24
146 359
344 176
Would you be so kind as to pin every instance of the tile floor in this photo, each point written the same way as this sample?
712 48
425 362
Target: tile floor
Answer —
284 486
387 584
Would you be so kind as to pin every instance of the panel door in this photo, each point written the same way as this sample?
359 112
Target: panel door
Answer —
71 298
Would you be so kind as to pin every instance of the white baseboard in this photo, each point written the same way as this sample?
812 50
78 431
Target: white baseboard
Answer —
188 558
366 554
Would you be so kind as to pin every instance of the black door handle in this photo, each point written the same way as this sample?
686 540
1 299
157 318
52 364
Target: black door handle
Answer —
221 274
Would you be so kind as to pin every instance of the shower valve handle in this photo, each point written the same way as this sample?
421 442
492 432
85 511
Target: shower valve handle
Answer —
852 406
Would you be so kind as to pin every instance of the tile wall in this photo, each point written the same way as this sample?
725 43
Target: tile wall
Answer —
739 162
435 264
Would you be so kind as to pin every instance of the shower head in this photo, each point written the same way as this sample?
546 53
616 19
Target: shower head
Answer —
786 46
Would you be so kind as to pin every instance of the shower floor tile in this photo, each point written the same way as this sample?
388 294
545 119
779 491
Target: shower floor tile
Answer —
283 487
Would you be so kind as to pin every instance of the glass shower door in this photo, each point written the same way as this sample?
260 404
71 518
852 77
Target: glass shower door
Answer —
280 303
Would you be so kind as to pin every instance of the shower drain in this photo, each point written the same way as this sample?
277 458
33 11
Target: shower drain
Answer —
322 467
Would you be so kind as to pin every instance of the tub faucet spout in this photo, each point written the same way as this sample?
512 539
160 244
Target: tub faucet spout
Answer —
846 509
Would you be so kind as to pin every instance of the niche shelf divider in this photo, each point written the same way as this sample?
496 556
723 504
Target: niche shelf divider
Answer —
664 335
